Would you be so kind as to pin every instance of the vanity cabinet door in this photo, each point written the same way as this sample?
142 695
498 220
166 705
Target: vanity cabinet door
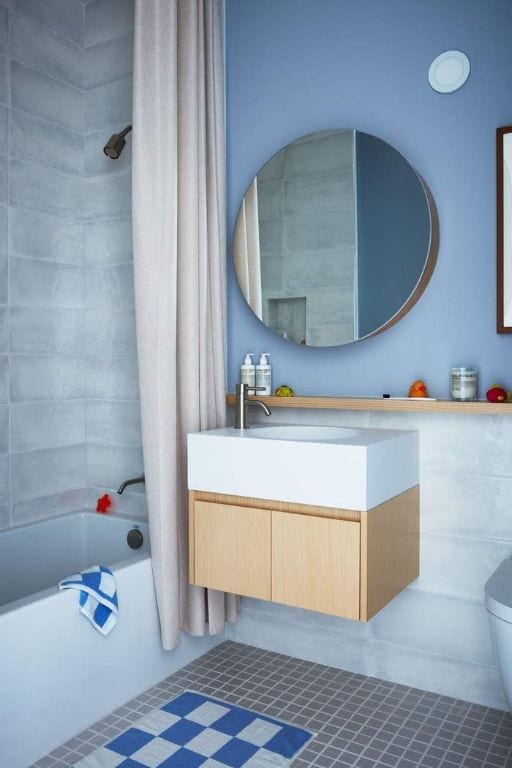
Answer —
232 549
316 563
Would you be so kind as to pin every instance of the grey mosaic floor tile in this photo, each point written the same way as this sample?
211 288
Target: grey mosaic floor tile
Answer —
360 721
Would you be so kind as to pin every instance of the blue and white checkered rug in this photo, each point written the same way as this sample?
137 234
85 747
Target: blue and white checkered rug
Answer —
196 730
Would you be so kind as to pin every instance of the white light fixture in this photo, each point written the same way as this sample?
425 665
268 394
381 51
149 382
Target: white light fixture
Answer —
449 71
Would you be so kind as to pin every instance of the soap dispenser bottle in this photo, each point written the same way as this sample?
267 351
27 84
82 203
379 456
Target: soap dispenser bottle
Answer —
264 375
248 373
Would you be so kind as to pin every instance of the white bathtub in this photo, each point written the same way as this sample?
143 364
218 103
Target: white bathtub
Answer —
57 674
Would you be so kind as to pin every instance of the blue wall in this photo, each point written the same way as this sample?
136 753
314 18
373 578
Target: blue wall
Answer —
297 66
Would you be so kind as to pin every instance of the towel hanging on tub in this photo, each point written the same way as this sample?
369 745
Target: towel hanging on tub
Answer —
98 596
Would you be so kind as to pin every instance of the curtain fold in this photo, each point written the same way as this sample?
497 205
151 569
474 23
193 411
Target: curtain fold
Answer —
247 250
180 284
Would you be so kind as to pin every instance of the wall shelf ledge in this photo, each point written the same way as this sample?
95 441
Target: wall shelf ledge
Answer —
416 405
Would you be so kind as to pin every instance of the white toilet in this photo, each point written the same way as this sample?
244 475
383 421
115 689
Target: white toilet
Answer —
498 601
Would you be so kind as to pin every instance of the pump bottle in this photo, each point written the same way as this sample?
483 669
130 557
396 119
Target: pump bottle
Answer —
264 375
248 373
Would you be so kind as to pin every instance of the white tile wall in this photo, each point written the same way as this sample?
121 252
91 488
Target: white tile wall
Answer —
434 635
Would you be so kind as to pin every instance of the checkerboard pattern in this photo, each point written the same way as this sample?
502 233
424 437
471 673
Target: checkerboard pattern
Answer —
195 730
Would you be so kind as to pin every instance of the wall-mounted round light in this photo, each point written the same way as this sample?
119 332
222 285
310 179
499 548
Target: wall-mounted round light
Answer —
449 71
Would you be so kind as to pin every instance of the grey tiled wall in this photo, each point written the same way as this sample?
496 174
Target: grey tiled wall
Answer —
69 413
306 204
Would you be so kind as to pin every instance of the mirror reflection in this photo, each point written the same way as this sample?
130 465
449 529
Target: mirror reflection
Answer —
333 238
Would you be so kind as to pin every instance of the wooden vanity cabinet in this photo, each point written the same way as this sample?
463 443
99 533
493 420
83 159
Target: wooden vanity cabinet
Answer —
341 562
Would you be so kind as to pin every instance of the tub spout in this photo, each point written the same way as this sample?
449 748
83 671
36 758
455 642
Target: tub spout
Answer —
133 481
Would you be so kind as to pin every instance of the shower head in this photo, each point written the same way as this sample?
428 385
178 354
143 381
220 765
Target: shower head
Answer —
115 144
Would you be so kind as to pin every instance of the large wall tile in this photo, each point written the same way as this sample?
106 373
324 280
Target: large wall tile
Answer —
62 16
45 97
112 377
4 329
46 284
303 640
109 287
466 504
4 80
3 281
436 623
4 478
454 565
35 140
110 331
317 231
315 417
108 105
3 228
332 153
4 428
107 196
437 673
42 49
46 472
108 61
479 445
105 19
43 508
294 616
329 335
322 193
3 179
331 306
5 517
271 236
108 241
4 378
43 235
47 377
96 162
129 504
45 189
4 30
114 423
4 131
109 465
303 274
270 199
47 424
47 330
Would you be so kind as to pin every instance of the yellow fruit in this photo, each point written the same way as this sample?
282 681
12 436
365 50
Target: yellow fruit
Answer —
284 391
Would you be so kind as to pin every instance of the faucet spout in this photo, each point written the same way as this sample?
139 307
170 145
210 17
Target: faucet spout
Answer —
132 481
264 407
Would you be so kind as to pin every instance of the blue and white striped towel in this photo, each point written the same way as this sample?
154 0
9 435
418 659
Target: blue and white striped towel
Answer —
98 596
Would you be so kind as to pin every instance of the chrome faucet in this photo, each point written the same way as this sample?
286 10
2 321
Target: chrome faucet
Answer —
242 404
133 481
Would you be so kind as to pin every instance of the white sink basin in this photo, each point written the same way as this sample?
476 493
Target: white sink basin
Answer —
304 432
320 465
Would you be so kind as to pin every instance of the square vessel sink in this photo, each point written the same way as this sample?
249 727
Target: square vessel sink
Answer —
325 466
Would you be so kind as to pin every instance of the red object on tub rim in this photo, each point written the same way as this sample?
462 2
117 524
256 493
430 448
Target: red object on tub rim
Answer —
103 503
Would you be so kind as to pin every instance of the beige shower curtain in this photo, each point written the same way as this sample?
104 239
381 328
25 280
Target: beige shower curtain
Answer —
179 264
246 250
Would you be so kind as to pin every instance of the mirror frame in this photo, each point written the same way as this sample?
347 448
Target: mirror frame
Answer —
423 281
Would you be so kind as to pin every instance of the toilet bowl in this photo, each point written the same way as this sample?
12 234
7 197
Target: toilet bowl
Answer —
498 601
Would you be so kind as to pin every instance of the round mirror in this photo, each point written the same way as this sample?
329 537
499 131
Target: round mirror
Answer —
335 239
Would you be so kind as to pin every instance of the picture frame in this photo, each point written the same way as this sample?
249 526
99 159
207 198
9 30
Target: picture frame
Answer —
504 228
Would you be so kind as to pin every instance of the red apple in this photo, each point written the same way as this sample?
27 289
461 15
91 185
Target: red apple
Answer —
496 395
